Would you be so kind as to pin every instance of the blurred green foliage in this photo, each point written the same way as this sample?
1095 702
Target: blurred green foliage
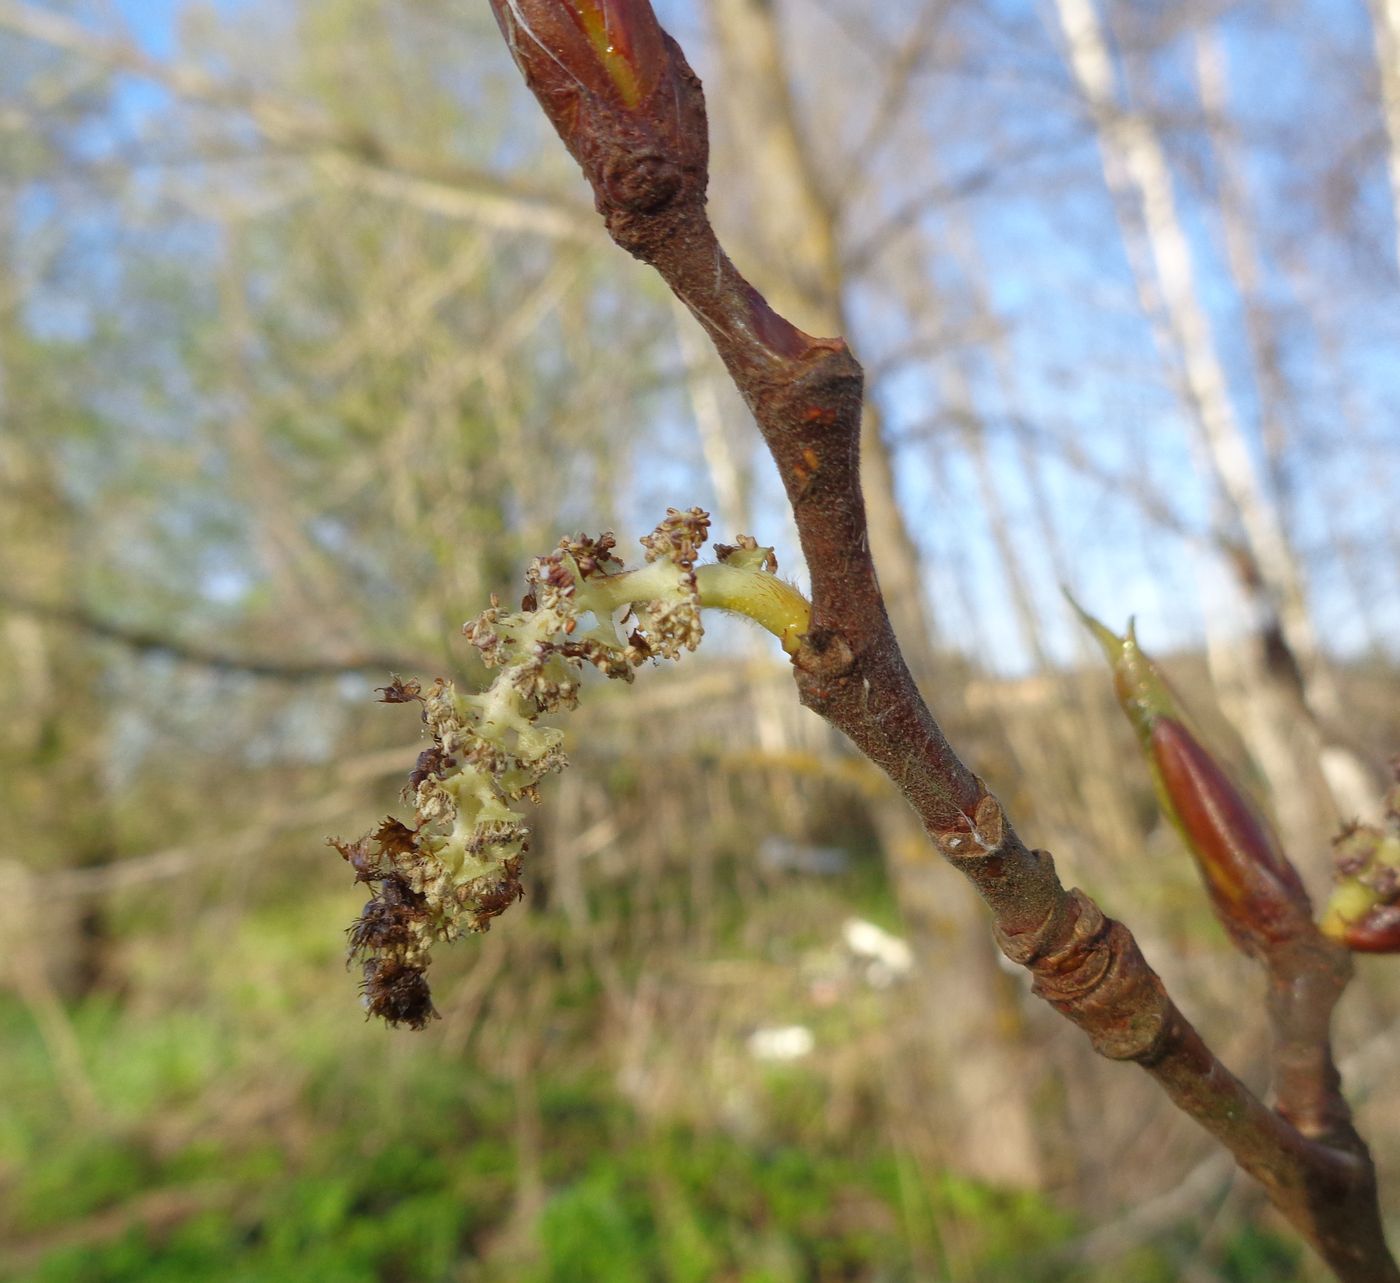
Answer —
257 1133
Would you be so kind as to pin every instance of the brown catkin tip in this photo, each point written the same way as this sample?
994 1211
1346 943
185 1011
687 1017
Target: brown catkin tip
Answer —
397 992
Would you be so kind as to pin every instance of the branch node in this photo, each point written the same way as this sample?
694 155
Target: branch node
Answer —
822 660
1089 968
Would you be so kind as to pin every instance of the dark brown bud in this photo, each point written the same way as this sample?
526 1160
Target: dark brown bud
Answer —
592 556
362 855
387 922
397 993
680 537
492 896
431 762
395 838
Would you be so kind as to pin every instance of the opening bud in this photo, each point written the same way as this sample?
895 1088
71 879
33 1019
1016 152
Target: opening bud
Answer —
1143 692
1253 888
1364 909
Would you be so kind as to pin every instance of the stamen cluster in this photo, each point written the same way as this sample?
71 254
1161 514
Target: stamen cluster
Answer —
458 865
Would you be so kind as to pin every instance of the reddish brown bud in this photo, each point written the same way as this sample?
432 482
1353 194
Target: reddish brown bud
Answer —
1377 932
610 48
619 92
1256 893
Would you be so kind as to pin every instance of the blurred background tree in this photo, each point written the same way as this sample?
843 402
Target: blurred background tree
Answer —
308 339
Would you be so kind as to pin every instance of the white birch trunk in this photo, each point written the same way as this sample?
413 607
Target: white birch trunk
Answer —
1137 172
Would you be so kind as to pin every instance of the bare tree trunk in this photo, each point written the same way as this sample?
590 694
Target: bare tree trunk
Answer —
1242 255
974 1026
1385 18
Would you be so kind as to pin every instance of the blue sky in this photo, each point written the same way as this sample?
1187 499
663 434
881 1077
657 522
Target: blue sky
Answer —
152 23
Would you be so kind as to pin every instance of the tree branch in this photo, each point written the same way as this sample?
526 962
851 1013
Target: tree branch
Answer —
631 111
150 641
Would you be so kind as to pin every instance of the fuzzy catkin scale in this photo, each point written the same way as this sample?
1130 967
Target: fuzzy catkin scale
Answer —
459 865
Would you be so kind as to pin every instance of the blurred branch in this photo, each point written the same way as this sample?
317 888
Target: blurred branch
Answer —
154 1213
901 75
460 200
176 861
1204 1183
151 641
356 156
875 239
21 902
1064 449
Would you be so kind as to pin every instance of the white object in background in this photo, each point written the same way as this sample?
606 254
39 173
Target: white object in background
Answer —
866 940
781 1042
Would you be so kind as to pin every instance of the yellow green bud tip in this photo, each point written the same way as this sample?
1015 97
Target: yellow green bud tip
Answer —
1111 643
1142 690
